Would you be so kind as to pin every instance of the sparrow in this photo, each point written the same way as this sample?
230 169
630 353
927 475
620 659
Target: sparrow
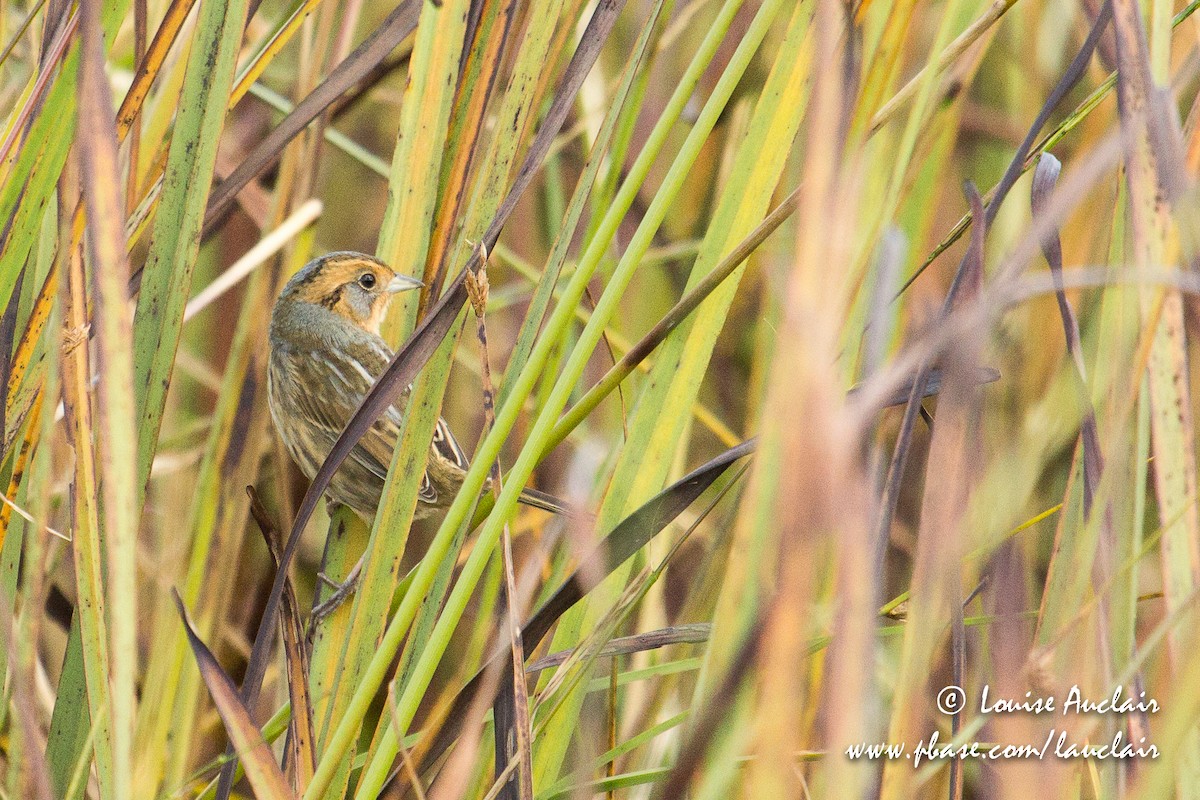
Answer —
325 354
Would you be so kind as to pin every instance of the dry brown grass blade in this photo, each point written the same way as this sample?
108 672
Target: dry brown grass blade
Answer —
301 742
261 770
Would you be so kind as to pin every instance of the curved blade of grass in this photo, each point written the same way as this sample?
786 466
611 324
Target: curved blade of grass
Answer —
1072 120
261 770
1021 159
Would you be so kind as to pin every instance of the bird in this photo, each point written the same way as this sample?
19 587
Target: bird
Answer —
326 352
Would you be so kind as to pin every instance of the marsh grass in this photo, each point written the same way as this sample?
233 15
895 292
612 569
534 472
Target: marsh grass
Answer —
746 310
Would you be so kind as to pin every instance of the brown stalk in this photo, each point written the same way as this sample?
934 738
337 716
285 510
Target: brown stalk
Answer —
513 735
300 750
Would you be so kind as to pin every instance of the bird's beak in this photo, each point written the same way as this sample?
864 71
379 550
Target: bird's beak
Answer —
402 283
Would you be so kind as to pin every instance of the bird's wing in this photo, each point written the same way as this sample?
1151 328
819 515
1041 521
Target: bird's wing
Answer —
447 446
337 387
377 358
356 373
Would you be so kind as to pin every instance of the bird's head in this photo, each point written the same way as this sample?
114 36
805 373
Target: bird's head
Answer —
355 286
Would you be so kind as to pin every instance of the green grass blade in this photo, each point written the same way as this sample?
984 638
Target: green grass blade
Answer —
175 241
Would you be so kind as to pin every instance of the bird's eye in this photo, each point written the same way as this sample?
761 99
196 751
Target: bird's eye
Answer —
367 281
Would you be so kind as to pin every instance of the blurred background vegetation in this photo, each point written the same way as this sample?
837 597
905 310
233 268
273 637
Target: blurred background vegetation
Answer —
849 405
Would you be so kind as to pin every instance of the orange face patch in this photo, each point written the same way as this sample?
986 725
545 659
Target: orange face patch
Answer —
353 286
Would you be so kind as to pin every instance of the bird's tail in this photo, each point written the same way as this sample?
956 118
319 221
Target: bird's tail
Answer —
546 502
